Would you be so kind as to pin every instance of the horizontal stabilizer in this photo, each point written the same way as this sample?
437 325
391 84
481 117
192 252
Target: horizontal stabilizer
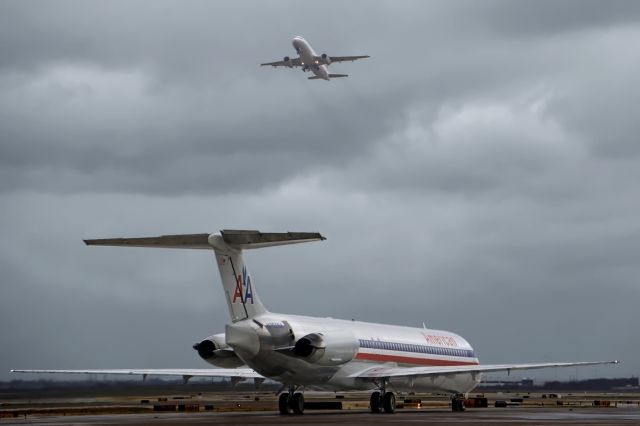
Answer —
186 241
256 239
237 239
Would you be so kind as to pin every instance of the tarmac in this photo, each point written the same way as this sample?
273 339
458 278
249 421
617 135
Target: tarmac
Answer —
509 416
167 406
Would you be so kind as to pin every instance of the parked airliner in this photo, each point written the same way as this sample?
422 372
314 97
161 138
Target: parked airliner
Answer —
309 60
303 352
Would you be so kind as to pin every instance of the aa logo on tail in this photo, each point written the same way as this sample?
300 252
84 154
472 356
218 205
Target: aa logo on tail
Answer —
243 287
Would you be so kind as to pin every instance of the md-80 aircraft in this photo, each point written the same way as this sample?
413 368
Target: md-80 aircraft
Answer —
303 352
309 60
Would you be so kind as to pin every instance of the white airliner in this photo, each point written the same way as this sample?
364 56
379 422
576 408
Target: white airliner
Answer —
315 353
309 60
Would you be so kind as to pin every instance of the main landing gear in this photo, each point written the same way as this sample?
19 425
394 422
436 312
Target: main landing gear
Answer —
291 402
382 400
457 402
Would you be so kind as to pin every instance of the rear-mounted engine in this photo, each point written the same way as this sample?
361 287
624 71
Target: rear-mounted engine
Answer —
215 351
330 348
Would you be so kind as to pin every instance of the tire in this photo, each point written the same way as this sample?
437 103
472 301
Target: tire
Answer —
283 404
457 405
297 403
374 402
389 403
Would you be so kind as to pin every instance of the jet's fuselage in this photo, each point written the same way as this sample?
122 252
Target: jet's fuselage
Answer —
343 348
308 57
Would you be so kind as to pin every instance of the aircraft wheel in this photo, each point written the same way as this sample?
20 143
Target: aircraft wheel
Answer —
297 403
457 404
283 404
389 403
374 402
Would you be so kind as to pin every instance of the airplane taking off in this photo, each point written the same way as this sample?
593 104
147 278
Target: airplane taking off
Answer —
309 60
303 352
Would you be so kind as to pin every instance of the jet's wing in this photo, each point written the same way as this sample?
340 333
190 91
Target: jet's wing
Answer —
185 373
293 62
333 59
386 372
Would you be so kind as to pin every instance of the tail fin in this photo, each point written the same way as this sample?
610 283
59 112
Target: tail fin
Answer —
242 299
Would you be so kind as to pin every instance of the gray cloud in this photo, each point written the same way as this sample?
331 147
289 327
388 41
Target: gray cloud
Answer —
477 173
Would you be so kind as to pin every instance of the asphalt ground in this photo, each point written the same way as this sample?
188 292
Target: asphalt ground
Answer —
508 416
259 408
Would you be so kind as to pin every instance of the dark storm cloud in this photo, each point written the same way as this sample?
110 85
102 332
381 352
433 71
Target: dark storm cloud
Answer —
99 94
177 154
548 18
477 173
188 98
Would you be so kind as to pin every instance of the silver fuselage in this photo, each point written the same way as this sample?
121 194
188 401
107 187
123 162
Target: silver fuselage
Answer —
308 57
261 343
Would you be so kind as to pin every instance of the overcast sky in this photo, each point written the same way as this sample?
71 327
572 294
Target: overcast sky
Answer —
479 173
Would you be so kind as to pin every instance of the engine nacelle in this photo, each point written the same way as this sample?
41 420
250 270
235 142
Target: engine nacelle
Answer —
215 351
326 59
288 62
331 348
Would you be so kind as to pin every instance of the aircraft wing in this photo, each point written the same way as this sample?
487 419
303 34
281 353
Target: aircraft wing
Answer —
386 372
293 62
185 373
342 58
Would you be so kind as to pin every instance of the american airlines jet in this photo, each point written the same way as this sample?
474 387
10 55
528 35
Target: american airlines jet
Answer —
304 352
309 60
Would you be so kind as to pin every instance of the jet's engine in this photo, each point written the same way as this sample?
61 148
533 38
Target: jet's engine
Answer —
326 59
331 348
215 351
288 62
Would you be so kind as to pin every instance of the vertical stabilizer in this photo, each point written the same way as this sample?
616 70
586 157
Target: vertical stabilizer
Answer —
239 289
242 299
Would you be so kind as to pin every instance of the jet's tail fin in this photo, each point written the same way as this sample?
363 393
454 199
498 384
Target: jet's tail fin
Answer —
242 299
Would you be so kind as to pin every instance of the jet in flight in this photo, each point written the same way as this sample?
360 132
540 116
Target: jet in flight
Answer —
315 353
309 60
